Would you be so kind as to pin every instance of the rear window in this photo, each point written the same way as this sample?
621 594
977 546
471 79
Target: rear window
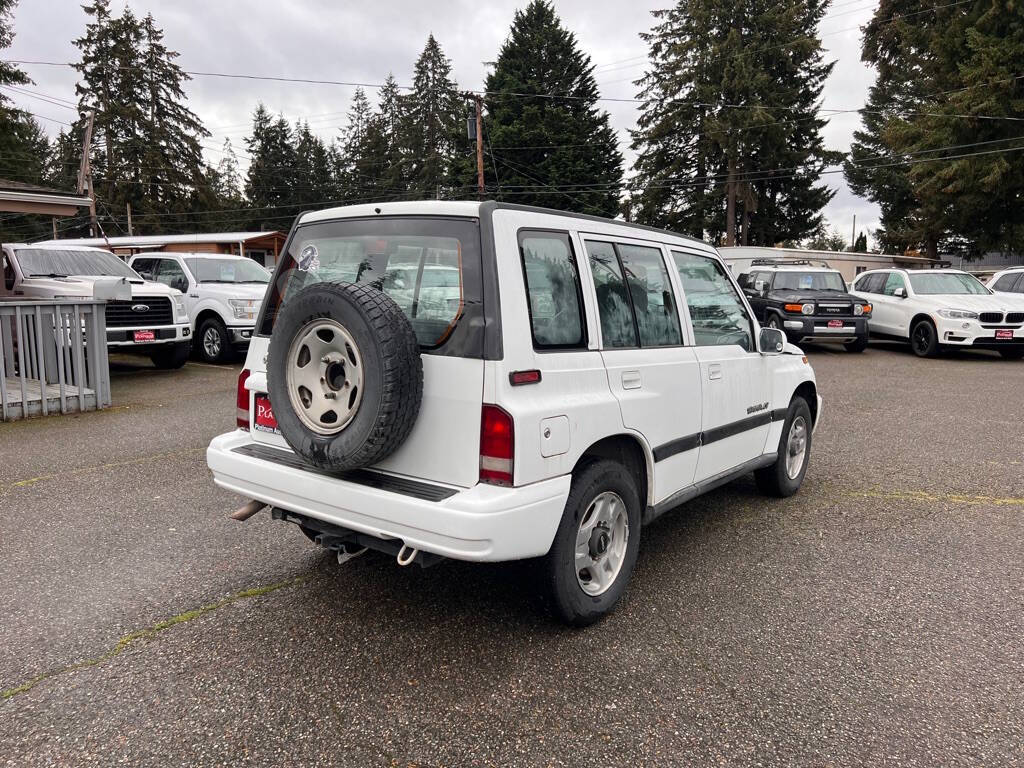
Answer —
429 267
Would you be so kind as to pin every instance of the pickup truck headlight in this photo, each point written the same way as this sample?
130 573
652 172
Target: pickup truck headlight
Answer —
958 314
179 308
244 309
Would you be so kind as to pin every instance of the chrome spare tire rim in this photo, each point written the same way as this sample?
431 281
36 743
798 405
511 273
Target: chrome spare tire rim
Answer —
601 543
324 376
211 343
796 447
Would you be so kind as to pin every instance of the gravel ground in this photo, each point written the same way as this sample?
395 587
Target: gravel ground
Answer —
874 619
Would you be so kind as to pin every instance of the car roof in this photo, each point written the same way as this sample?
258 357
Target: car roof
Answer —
47 247
791 268
189 254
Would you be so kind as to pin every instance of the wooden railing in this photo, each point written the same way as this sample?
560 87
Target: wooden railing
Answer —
53 357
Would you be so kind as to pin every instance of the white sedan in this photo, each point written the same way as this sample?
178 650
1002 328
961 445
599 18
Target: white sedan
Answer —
941 308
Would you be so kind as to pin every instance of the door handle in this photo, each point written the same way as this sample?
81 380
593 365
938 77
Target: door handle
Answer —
631 380
714 371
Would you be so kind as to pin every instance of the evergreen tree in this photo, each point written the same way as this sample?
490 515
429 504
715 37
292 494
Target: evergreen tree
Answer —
728 140
435 123
271 180
315 181
388 150
939 71
228 179
860 245
347 168
553 146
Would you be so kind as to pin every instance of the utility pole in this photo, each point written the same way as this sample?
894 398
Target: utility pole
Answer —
853 235
479 146
128 205
85 173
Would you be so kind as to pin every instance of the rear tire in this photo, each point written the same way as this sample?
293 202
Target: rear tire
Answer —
595 548
214 343
171 356
857 346
784 477
924 340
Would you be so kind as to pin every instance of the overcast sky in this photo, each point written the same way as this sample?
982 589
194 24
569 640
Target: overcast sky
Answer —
362 42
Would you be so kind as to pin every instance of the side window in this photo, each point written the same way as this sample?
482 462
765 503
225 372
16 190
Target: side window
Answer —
618 328
144 267
1006 282
871 283
892 282
1019 287
170 273
553 289
651 292
716 311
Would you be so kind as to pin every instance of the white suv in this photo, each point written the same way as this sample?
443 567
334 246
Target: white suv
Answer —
935 309
148 319
588 376
1008 281
222 294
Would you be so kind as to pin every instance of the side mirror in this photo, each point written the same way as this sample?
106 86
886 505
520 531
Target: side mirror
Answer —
899 293
771 341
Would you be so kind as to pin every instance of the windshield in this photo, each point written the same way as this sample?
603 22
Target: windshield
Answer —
53 262
808 281
227 271
946 283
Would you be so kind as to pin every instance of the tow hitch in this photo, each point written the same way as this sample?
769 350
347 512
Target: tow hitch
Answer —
349 544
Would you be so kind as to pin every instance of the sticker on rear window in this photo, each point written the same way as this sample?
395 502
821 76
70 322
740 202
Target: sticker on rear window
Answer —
309 259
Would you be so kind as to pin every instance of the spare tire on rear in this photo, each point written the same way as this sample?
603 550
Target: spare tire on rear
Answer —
344 375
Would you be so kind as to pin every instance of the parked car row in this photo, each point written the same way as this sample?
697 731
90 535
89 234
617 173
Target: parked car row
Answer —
158 305
931 309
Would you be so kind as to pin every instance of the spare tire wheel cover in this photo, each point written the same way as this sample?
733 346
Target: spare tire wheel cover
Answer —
344 375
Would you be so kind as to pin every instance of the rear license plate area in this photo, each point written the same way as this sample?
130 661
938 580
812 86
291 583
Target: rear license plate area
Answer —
263 415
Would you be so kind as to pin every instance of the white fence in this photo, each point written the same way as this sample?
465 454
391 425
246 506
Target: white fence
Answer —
53 357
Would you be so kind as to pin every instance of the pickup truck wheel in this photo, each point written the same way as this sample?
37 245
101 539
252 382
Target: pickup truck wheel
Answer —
214 342
784 477
595 547
171 356
345 375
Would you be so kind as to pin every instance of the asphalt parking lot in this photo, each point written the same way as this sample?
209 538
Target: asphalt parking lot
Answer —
874 619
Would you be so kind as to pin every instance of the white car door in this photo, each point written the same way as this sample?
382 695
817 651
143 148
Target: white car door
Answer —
654 376
735 378
890 312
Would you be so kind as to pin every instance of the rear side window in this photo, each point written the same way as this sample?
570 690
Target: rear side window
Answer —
1006 282
717 313
651 292
892 282
429 267
872 283
553 289
618 328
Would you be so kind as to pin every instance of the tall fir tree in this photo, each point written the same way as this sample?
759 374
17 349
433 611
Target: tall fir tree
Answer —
948 88
349 167
271 179
729 141
435 124
551 142
389 149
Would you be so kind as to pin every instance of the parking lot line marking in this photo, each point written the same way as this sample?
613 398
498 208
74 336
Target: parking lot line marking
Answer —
959 498
148 633
109 465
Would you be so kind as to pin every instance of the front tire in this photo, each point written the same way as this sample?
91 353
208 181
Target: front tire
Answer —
214 341
596 545
171 356
857 346
924 340
784 477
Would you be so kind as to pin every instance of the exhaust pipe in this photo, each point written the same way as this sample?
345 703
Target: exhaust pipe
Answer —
248 510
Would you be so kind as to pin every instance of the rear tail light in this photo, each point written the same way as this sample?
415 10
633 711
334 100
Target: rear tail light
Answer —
497 439
242 401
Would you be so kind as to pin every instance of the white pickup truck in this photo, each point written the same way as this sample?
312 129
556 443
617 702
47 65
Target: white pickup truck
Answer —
222 294
151 320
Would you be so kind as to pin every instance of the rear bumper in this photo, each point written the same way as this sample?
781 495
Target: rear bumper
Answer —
482 523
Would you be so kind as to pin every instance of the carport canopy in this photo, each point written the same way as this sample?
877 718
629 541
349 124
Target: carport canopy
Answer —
18 197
